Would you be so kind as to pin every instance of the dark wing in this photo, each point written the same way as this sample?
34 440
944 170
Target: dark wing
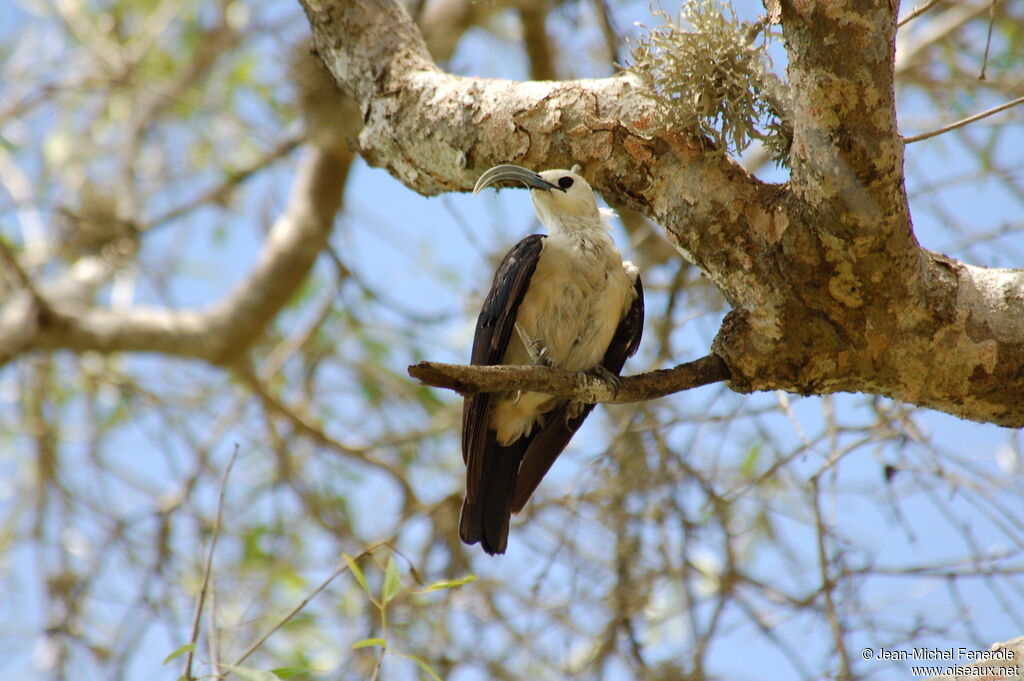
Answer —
493 330
491 468
626 340
552 438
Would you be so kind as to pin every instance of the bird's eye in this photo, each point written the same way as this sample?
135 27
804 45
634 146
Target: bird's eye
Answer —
565 182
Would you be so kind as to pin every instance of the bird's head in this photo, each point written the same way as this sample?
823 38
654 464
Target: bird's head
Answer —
559 196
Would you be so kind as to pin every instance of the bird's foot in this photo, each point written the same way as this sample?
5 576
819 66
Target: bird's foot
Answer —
540 355
608 377
572 410
538 351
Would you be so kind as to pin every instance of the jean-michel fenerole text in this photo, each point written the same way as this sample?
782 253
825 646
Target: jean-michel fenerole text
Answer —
945 654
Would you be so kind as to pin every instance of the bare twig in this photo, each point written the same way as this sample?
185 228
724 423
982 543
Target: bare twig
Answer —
10 260
342 569
575 385
917 12
224 188
988 40
965 121
212 634
828 584
207 568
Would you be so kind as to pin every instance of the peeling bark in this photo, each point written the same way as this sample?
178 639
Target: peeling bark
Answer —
829 288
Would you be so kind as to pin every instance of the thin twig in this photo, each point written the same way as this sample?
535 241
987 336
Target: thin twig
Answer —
20 275
207 568
303 423
224 188
342 569
917 12
827 585
988 40
212 635
787 409
965 121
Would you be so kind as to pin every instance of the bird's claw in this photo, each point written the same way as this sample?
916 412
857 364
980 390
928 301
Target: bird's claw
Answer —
540 355
608 377
572 410
535 347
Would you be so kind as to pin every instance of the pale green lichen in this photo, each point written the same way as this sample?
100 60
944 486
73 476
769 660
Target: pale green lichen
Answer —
713 79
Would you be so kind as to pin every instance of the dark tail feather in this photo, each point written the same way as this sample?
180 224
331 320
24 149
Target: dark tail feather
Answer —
486 519
543 450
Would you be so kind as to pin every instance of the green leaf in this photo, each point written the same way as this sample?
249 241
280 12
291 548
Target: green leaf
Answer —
447 584
749 466
187 648
357 573
424 666
368 642
289 672
392 585
249 674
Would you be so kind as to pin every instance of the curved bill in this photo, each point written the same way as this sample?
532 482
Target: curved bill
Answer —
511 172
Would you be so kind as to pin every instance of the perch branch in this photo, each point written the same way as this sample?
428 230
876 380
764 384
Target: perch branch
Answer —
467 380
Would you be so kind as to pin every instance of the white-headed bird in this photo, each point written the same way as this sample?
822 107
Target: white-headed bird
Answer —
564 300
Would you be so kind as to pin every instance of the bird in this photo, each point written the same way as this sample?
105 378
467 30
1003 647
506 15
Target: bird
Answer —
564 300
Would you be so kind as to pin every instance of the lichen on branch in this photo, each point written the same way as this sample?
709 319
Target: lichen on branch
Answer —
714 80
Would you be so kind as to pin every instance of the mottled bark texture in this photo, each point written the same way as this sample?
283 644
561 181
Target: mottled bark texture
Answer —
830 290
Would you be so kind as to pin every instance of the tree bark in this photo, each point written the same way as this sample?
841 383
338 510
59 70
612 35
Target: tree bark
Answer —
829 288
575 385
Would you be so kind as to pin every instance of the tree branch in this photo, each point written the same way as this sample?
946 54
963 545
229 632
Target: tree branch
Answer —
579 386
536 41
918 11
829 288
217 334
964 121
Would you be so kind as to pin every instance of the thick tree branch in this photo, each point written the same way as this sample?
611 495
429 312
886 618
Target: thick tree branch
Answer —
444 21
847 154
536 41
217 334
829 288
578 386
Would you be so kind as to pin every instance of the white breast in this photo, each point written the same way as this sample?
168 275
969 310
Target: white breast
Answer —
578 294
